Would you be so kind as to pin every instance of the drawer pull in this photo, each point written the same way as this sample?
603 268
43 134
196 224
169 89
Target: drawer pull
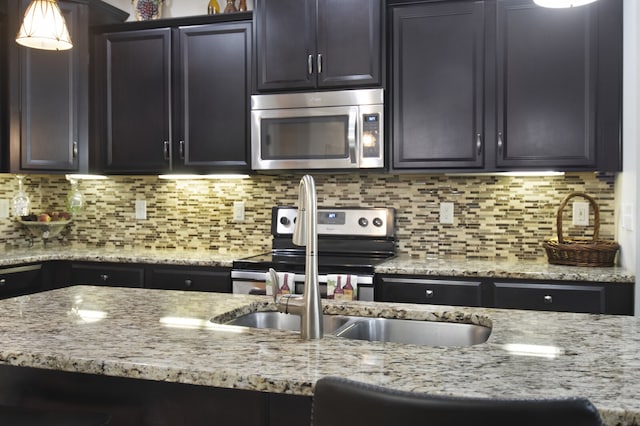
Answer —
188 283
548 299
104 277
429 294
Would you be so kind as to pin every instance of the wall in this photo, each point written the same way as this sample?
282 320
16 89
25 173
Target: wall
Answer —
495 217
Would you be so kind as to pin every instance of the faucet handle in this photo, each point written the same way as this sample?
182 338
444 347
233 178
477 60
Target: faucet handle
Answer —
275 285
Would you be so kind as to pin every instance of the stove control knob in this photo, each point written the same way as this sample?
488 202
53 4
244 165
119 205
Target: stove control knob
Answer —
363 222
377 222
285 221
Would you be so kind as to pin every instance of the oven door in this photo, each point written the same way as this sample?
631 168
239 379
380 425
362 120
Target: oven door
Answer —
305 138
254 282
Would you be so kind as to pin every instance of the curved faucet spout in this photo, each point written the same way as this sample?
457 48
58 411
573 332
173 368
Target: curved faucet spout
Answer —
306 234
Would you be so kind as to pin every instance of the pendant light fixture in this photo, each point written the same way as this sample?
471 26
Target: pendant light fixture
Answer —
562 3
44 27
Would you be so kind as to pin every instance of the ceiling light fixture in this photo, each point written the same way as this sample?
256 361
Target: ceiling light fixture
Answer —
557 4
44 27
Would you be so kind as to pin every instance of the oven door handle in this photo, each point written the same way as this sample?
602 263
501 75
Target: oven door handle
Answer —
262 276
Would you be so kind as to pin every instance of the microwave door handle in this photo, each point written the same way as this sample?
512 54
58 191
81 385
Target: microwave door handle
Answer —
353 137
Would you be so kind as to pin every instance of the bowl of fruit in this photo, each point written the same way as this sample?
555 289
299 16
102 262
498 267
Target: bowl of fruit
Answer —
46 225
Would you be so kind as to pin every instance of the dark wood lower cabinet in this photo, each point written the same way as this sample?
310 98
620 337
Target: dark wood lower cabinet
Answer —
144 402
541 295
189 278
20 279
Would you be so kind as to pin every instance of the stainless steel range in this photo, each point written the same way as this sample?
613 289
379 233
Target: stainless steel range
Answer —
351 241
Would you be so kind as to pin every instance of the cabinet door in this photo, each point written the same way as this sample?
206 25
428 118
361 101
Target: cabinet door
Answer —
51 85
437 85
285 44
19 280
550 297
195 279
107 275
213 95
349 43
429 291
134 97
546 85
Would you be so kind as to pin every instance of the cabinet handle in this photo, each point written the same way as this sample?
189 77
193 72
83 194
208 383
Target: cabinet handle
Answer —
181 148
500 143
188 283
479 144
429 294
548 299
310 64
104 277
166 150
74 150
319 63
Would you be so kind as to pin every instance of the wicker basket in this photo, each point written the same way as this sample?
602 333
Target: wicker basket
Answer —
581 251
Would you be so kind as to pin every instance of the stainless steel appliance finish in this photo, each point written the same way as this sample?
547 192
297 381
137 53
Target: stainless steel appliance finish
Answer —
318 130
350 241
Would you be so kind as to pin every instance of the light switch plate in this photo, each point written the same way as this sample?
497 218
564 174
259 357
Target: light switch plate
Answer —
446 213
238 211
4 209
580 214
141 209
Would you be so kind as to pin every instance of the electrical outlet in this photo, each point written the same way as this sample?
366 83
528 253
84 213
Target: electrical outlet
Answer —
627 216
238 211
141 209
446 213
580 214
4 209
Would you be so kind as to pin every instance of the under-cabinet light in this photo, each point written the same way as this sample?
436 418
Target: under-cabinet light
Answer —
44 27
212 176
562 3
84 177
541 173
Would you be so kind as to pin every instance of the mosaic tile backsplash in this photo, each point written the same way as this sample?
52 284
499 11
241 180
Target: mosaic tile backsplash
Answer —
495 217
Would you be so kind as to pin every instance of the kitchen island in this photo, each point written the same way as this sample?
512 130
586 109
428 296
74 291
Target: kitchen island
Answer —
166 336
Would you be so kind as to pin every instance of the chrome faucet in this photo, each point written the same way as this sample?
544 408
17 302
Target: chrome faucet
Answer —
305 233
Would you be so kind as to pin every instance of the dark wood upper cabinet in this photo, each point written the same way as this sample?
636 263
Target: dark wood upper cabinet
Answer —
309 44
437 87
49 93
506 85
173 98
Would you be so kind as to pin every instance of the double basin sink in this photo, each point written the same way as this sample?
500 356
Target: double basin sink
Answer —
429 333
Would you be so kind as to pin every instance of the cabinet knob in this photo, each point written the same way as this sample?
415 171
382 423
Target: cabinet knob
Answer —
428 293
3 281
188 283
104 277
548 299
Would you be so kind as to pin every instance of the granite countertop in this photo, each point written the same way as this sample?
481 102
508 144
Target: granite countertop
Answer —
140 333
502 269
398 265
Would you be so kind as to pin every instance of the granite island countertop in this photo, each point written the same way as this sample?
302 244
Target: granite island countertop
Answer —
402 264
166 335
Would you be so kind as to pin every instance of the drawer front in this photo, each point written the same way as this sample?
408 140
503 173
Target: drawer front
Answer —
20 279
550 297
436 292
190 279
109 275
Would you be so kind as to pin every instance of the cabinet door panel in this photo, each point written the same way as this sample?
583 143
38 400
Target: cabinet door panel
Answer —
437 85
547 63
50 96
348 57
137 67
174 278
436 292
550 297
18 280
285 39
214 98
108 275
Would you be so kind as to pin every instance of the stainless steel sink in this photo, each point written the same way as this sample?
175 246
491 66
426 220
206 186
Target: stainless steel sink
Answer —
427 333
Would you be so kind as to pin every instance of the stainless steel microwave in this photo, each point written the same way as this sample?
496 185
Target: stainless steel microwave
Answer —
319 130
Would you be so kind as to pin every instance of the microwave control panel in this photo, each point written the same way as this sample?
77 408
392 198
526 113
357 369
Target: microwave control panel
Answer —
371 135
